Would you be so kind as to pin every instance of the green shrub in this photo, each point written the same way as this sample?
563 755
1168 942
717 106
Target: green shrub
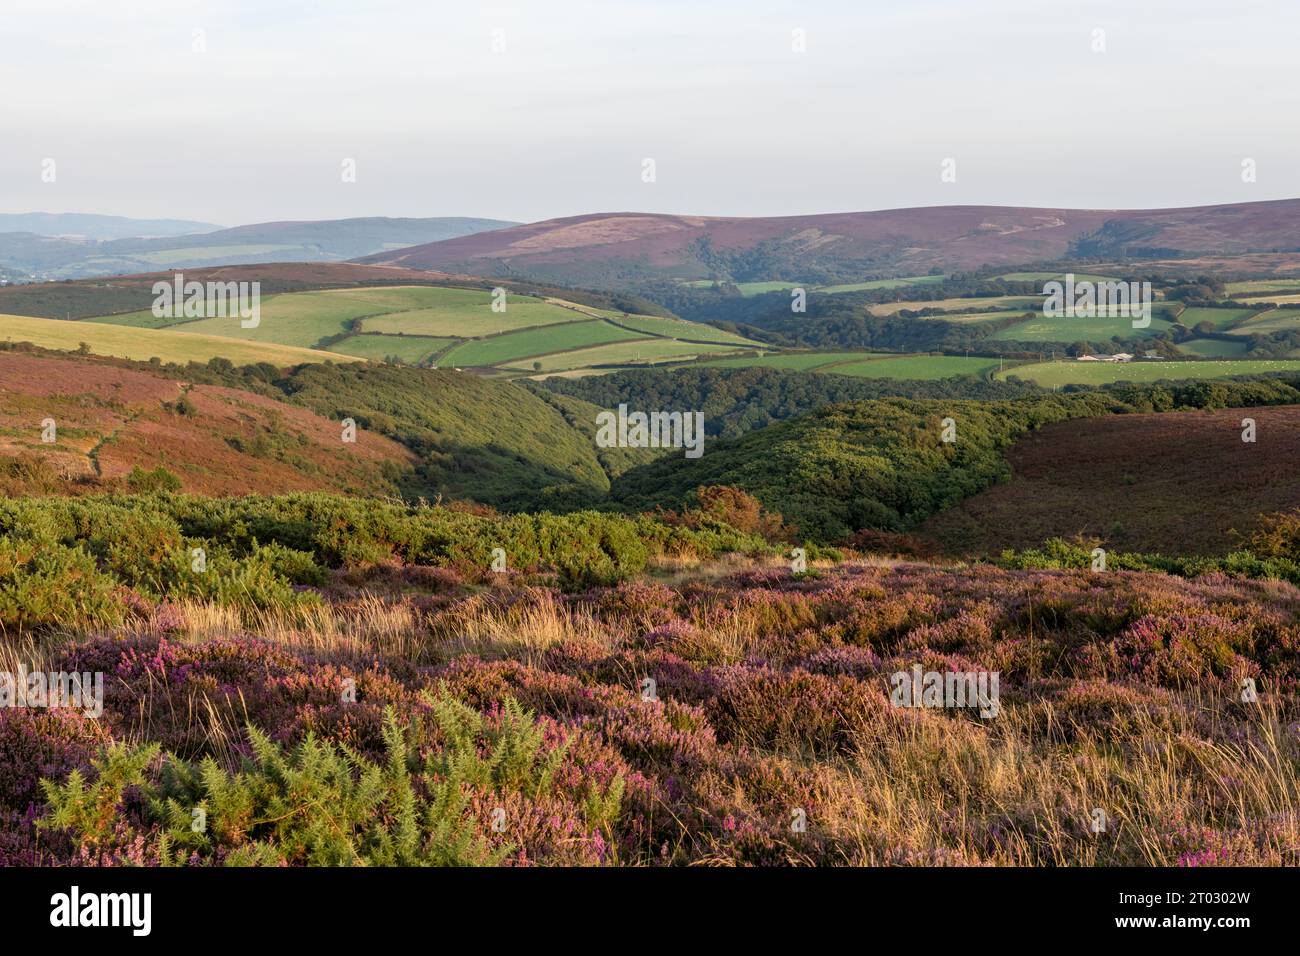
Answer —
322 803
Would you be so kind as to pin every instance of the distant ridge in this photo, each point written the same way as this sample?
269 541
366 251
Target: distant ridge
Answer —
603 248
43 257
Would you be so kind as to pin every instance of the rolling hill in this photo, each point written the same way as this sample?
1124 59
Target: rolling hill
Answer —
606 248
437 320
44 256
90 226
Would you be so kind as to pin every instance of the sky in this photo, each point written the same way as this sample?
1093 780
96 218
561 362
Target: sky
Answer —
229 111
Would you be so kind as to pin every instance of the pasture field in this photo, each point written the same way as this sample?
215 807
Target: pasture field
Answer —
1275 320
415 323
681 329
1052 374
635 352
411 349
302 319
881 284
1280 299
1214 348
792 361
528 342
973 318
144 344
1072 329
914 367
1019 303
1251 286
1219 318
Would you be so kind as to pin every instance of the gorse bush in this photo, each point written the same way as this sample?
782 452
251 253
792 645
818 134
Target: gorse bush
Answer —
62 558
1057 553
53 584
321 803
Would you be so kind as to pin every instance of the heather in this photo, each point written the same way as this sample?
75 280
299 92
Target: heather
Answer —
694 715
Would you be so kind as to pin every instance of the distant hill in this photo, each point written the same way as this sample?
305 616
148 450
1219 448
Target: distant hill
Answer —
90 226
45 256
605 249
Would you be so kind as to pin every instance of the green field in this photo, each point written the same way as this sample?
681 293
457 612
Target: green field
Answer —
1262 285
866 364
923 367
790 361
415 323
881 284
1051 374
1217 317
639 352
1090 329
1278 299
1019 303
973 318
681 329
1214 348
144 344
1276 320
411 349
529 342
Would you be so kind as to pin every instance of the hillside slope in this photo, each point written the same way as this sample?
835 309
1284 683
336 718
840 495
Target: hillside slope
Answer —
606 247
1133 482
110 418
423 432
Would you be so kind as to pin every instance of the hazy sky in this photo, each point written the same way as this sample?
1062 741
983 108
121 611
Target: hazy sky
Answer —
257 127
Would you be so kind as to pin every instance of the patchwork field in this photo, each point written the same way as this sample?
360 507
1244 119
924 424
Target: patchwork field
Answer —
1044 328
636 351
1052 374
426 324
1214 348
1275 320
143 344
914 367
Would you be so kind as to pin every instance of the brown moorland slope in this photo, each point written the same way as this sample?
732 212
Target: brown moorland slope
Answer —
111 417
900 240
1174 482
